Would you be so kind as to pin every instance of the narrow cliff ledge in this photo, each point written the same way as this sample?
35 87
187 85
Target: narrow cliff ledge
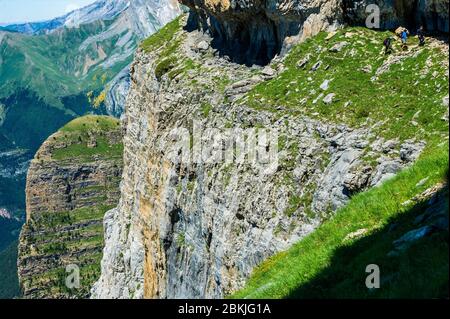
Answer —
253 32
197 230
72 181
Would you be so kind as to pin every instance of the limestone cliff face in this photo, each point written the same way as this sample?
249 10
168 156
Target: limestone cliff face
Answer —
255 31
73 179
189 229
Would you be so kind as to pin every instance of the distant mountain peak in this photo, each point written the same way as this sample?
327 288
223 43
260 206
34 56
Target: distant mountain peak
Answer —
99 10
162 10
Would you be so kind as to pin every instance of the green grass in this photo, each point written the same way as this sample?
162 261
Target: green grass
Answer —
397 95
54 280
206 109
162 37
103 148
165 45
59 238
72 235
80 131
61 219
53 65
323 265
164 66
91 122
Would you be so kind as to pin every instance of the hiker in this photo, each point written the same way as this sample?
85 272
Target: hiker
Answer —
387 45
404 36
421 36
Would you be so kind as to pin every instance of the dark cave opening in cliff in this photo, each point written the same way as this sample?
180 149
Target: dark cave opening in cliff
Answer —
249 44
407 13
254 42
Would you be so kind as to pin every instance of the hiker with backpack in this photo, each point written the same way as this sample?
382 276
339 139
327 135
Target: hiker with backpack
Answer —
404 36
421 36
387 45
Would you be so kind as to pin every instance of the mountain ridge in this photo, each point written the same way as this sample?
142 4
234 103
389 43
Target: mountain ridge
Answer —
348 116
49 78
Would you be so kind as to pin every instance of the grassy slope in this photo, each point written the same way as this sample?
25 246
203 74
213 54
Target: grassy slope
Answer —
421 272
52 65
42 87
390 102
44 80
77 133
404 103
167 43
163 36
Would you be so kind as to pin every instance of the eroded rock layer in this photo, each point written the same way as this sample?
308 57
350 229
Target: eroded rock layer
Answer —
72 181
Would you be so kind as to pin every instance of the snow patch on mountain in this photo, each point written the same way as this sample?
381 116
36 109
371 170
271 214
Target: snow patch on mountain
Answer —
149 15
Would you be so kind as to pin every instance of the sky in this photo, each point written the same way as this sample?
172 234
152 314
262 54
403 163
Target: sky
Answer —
14 11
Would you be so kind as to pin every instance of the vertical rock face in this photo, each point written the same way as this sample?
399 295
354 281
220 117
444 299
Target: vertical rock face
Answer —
196 229
72 181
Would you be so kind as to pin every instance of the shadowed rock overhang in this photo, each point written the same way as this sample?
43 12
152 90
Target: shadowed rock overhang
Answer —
255 31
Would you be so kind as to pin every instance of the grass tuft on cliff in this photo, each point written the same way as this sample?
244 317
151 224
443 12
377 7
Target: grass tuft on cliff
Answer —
162 37
326 264
166 44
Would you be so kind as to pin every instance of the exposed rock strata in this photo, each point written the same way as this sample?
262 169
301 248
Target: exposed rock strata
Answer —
255 31
196 230
117 93
67 196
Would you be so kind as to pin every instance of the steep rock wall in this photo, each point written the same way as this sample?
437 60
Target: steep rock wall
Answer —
72 181
196 230
255 31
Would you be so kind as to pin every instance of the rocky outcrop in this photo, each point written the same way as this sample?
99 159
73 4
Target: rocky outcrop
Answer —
255 31
73 179
434 218
187 228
